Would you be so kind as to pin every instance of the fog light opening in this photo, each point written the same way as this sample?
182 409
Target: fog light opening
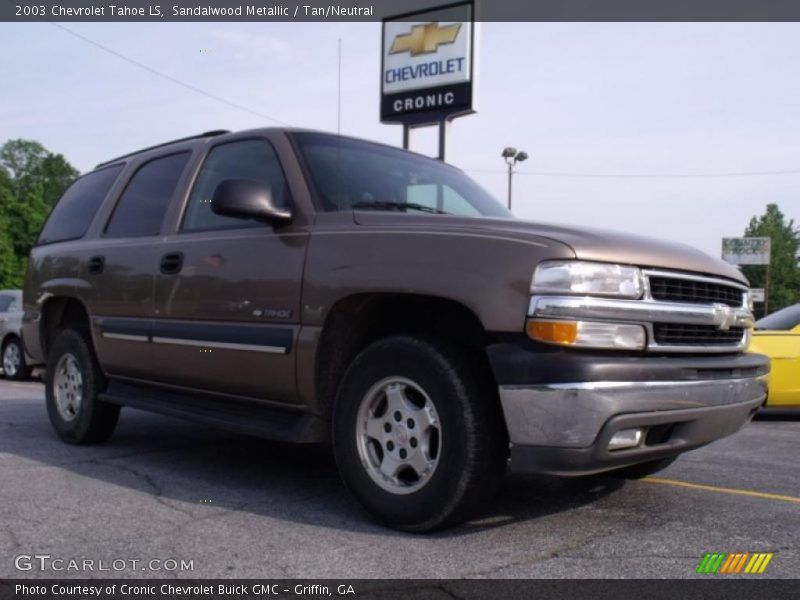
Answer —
626 438
659 434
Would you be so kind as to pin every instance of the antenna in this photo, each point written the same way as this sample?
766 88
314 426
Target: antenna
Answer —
339 101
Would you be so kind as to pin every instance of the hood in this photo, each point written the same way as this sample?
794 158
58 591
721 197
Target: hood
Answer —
587 243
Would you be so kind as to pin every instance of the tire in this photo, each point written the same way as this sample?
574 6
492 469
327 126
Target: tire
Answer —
644 469
14 364
450 442
72 384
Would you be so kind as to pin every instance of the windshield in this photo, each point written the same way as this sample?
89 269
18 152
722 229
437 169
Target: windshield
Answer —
349 174
782 320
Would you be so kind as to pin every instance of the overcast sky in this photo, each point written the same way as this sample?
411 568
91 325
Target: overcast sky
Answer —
617 118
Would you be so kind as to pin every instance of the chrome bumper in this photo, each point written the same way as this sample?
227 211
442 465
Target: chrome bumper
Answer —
565 428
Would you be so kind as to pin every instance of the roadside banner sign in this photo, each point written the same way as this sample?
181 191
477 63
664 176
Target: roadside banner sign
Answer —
427 65
746 250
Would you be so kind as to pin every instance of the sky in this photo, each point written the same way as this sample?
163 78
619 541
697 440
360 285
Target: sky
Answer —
660 129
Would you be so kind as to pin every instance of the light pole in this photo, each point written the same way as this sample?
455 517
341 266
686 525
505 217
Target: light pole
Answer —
512 157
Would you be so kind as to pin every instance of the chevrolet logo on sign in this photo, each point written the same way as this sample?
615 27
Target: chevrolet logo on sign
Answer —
427 64
425 39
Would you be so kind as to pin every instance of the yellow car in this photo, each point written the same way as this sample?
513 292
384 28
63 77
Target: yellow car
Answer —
778 336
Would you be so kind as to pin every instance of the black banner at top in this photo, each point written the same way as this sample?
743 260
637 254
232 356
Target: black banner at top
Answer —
376 10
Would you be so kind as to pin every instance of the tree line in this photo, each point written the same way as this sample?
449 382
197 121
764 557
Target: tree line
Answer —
32 179
783 272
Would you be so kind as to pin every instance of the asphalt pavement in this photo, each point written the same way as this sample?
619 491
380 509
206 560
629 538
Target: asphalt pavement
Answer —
163 491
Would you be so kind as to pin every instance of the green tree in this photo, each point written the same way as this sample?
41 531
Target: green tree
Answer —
29 164
25 214
31 181
784 272
8 260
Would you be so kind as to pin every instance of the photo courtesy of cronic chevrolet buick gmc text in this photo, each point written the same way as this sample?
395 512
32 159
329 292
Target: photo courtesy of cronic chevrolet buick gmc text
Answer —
307 287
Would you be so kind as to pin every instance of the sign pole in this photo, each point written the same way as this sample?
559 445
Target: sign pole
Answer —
406 136
510 173
443 127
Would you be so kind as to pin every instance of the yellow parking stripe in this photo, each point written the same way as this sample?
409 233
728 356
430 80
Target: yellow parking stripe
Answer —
723 490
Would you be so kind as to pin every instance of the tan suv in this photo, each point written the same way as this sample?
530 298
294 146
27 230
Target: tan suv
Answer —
308 287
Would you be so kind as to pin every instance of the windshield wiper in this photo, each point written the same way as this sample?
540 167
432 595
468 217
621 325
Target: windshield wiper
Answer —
400 206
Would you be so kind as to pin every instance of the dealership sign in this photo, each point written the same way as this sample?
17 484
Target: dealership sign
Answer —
746 250
427 65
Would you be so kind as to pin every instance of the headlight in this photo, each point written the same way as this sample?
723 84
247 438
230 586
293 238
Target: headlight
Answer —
587 278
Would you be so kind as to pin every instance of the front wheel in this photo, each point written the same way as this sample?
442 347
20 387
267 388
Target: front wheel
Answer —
14 363
72 384
418 435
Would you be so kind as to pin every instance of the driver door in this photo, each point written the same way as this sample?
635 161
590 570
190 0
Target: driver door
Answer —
227 299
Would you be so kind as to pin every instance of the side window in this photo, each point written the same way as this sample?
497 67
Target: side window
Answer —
141 209
77 207
254 160
7 303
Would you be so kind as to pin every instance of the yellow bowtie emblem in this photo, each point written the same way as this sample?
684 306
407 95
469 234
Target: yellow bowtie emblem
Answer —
425 39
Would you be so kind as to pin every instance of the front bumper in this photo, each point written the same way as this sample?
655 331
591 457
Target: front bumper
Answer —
562 409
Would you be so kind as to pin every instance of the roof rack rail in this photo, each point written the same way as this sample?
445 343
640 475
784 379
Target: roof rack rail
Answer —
205 134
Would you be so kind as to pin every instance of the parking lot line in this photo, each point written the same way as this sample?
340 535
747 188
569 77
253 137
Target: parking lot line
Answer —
723 490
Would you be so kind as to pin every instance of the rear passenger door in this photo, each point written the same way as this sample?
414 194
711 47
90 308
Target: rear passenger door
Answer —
228 289
119 266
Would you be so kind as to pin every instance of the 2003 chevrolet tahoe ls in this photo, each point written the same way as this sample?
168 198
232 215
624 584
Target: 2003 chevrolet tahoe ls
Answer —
308 287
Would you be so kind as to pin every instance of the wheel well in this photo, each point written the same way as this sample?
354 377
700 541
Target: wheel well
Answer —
7 338
355 322
62 313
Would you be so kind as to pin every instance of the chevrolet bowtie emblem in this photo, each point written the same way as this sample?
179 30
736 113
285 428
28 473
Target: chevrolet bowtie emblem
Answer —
725 317
425 39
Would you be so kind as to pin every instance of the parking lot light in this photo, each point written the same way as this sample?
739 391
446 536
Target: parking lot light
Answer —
512 156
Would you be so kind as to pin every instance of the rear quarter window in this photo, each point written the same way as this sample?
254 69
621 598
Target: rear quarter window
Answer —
74 212
142 206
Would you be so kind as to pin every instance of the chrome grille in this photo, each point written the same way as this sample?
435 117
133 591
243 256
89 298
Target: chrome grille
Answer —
676 334
681 312
675 289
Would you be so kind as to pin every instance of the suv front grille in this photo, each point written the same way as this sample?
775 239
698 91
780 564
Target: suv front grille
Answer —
674 289
673 334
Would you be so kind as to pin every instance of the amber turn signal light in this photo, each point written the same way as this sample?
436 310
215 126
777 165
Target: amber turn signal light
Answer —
553 332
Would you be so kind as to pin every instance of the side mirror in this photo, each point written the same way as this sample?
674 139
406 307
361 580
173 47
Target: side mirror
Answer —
245 199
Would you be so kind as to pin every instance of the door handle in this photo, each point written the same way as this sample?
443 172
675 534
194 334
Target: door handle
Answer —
172 263
96 264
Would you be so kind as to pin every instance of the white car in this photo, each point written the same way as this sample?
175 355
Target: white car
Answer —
16 364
